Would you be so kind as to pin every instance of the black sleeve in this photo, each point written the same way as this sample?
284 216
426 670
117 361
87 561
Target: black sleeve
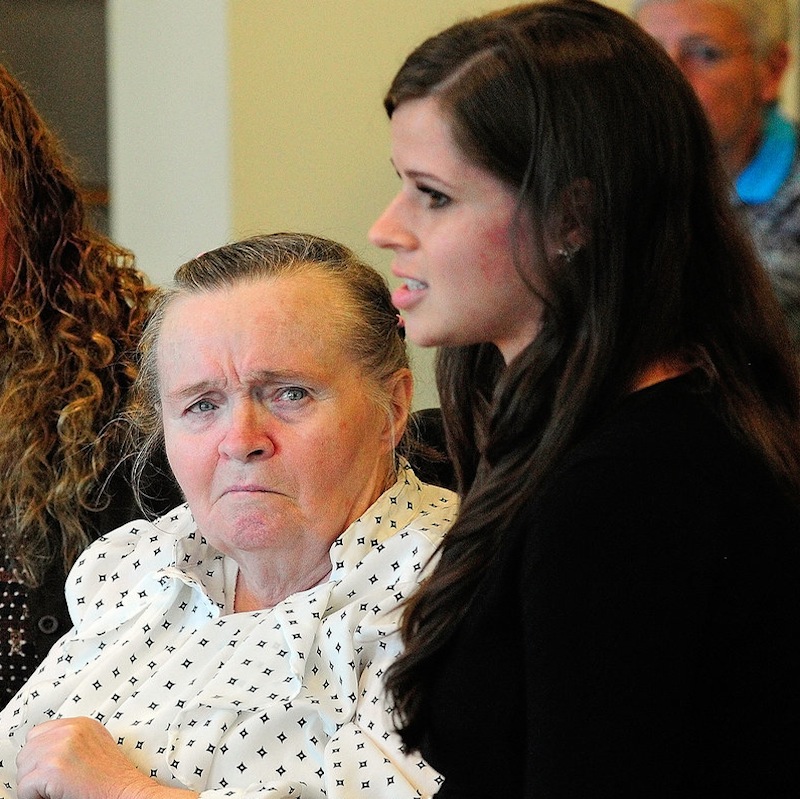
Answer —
650 614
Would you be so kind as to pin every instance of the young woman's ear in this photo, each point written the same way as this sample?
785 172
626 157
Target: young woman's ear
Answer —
569 225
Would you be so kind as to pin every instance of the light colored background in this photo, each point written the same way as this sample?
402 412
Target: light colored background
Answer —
231 117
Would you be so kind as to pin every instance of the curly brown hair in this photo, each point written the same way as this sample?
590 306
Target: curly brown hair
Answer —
73 307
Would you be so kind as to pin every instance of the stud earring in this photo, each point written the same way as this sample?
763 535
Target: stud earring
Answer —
567 253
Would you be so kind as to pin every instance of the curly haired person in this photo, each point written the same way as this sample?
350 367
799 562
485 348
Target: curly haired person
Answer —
71 312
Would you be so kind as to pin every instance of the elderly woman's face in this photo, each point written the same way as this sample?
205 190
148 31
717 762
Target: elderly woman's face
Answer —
268 427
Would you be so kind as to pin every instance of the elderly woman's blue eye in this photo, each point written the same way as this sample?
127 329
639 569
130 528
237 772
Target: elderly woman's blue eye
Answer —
294 394
203 406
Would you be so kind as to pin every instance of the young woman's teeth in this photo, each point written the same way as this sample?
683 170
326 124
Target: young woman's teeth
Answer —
414 285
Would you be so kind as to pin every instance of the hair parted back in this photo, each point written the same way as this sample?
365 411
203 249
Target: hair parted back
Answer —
767 21
367 327
72 311
585 116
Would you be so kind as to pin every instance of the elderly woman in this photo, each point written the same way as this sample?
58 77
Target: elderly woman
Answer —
236 646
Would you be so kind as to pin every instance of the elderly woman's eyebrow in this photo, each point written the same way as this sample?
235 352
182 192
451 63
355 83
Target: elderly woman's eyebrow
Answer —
258 377
191 390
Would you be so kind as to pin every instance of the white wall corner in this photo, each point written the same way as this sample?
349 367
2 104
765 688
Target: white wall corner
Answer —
169 148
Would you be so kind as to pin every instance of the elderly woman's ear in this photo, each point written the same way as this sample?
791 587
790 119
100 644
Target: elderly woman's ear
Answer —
401 389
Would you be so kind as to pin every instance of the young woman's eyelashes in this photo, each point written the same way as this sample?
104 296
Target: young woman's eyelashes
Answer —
437 199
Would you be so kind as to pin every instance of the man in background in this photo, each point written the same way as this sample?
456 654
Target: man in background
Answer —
735 54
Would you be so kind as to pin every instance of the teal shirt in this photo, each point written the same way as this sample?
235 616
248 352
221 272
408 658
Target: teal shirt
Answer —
761 179
768 197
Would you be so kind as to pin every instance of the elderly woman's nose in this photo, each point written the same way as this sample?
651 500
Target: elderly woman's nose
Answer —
247 434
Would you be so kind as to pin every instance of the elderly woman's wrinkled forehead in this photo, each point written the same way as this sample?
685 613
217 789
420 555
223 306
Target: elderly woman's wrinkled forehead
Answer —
355 313
291 305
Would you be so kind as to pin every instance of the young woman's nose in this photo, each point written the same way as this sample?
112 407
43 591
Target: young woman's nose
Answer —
248 435
389 231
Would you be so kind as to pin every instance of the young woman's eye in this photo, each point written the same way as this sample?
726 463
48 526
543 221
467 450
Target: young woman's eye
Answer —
436 198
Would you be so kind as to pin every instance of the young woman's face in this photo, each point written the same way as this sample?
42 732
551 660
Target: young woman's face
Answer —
450 228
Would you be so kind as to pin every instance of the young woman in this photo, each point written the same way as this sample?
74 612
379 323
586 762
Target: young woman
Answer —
616 611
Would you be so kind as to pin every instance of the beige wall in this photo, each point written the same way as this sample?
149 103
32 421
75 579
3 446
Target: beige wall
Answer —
309 140
310 147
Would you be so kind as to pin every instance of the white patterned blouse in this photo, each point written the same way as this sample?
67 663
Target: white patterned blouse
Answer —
284 702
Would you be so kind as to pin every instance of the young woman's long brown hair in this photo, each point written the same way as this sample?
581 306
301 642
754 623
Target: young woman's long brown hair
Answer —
72 310
584 115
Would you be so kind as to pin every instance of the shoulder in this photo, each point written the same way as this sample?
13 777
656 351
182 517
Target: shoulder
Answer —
435 511
124 557
395 539
140 536
412 507
783 210
661 465
408 509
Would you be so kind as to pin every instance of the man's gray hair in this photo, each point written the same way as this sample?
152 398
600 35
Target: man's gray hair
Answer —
767 21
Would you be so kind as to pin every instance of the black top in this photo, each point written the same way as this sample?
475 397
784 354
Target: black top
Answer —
638 633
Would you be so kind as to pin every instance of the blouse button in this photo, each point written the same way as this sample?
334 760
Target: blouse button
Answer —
48 624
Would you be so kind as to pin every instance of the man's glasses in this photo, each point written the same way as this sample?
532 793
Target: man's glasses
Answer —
706 55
